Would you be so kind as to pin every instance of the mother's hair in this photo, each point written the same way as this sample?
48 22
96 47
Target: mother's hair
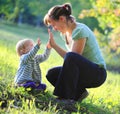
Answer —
59 10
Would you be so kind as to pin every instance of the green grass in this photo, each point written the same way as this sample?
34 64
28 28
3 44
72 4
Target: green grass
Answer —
102 100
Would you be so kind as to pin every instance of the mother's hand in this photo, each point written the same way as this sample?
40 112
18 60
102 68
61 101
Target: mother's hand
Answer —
51 39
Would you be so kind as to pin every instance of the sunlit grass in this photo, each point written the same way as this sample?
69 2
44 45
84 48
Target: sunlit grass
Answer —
108 95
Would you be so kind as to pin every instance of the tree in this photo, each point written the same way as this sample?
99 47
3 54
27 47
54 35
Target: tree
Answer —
6 7
107 13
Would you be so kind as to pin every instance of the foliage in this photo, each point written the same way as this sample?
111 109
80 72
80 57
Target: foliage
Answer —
33 11
106 11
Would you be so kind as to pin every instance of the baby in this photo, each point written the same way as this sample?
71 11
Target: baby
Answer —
29 72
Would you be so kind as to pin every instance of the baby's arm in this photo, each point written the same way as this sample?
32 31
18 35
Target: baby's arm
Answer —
45 55
31 54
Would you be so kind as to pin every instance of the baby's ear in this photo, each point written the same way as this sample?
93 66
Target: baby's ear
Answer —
22 51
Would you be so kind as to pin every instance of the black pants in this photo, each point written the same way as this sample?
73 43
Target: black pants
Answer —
76 74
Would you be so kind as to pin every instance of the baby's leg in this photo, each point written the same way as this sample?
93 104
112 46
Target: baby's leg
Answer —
29 84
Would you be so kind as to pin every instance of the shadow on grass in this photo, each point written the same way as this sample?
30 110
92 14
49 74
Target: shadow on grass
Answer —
45 101
92 109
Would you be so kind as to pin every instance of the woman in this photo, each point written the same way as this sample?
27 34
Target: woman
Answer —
83 66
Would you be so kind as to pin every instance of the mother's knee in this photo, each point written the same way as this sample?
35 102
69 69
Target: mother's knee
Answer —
48 75
70 56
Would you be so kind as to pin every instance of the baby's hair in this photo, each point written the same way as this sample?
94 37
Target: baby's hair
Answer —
57 11
21 45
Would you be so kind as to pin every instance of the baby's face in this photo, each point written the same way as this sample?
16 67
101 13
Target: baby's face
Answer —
28 46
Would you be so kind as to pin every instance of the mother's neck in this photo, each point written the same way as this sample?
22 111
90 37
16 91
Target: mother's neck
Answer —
71 26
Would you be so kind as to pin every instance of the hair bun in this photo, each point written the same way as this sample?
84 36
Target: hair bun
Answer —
67 7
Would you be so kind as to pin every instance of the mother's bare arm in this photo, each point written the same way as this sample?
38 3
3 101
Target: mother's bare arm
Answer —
58 49
78 45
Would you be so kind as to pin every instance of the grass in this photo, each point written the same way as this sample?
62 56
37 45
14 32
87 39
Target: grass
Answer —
102 100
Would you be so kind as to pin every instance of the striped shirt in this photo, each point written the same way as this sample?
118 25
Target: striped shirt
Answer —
29 69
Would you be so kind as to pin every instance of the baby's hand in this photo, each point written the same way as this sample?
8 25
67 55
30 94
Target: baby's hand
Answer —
48 45
39 42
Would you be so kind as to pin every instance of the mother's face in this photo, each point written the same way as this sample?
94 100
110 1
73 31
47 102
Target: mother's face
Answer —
58 25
